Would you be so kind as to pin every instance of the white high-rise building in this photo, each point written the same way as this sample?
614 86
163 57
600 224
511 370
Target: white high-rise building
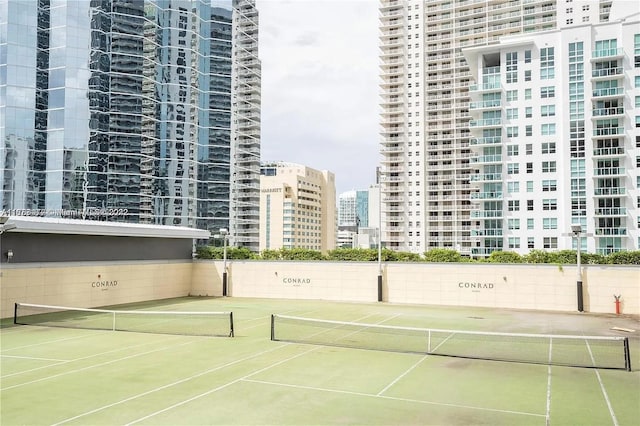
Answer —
556 139
429 167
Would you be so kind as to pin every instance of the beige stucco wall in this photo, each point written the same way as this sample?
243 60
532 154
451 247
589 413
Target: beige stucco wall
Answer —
542 287
85 284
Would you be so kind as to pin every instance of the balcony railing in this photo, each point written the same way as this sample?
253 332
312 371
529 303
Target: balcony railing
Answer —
490 140
487 122
605 53
611 231
614 190
486 195
608 171
608 152
607 72
486 214
486 177
608 131
609 91
601 112
611 211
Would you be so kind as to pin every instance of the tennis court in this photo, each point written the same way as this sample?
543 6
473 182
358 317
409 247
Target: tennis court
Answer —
60 375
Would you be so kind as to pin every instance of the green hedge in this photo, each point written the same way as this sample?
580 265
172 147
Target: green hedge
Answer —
433 255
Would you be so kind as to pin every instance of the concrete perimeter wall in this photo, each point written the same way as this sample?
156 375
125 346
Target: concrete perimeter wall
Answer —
542 287
92 284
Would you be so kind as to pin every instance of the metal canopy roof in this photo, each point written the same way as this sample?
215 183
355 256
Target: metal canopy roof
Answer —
46 225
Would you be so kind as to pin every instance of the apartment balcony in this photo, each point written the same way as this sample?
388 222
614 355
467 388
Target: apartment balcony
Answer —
487 159
489 87
394 169
392 80
486 232
391 158
389 24
484 251
391 43
491 140
391 129
393 60
603 232
608 131
610 211
393 219
393 209
396 238
486 177
609 54
486 105
486 196
487 214
608 171
607 74
392 13
393 199
484 123
617 151
608 93
607 112
391 101
609 191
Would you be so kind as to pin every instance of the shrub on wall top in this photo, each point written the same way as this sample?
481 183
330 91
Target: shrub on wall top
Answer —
443 255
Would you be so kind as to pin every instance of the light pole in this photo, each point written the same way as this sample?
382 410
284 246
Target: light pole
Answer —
577 230
224 234
379 241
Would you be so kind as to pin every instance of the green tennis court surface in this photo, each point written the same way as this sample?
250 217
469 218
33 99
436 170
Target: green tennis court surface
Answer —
55 375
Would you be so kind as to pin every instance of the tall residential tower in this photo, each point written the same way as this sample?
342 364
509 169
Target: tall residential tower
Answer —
430 167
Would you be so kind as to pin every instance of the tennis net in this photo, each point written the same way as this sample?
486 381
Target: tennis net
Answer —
141 321
607 352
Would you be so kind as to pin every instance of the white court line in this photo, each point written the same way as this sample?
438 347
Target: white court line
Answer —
48 342
101 354
221 387
402 375
34 358
548 416
186 379
372 395
93 366
604 392
412 367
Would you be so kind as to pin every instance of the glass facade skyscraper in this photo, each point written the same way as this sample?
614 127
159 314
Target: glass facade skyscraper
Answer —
124 110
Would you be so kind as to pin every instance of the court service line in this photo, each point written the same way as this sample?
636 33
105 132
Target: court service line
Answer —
171 407
101 354
372 395
93 366
168 385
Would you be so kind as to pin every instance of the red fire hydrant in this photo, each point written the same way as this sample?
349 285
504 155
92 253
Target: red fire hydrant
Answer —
617 303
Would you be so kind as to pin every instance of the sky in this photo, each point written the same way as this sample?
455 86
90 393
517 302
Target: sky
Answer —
320 86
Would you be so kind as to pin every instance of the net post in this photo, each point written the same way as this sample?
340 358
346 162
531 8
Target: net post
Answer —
273 333
231 332
627 355
113 327
15 313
